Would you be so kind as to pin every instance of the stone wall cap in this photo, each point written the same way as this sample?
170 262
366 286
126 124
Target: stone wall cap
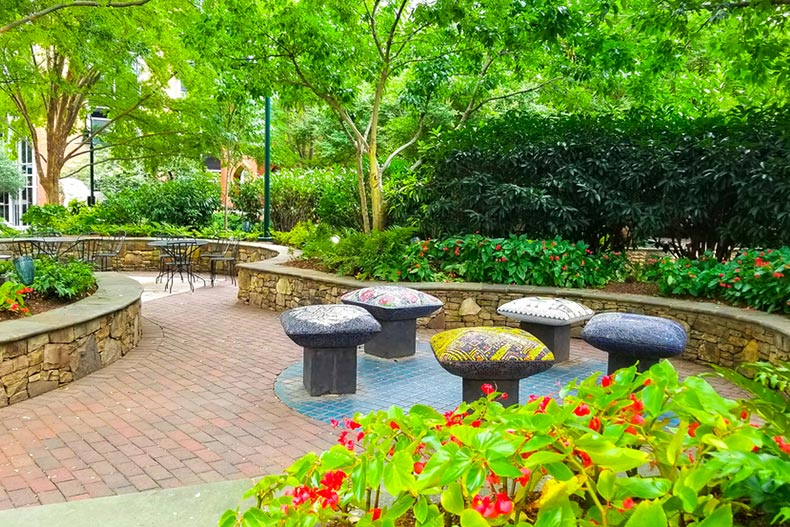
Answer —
768 320
115 292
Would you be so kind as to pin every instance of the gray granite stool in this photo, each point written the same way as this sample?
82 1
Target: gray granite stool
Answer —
549 319
329 335
487 355
397 310
629 338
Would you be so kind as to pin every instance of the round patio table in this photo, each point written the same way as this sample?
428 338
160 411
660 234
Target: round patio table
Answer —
179 256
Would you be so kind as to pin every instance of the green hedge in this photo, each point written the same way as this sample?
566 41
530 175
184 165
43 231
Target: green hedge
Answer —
718 182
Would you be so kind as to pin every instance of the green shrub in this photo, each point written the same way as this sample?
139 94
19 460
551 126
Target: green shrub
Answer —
718 181
11 180
325 195
47 217
754 278
183 201
621 450
70 280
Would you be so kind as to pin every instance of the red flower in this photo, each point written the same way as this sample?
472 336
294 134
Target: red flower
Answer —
628 504
503 396
606 381
329 499
595 424
691 456
647 382
419 467
693 429
637 419
333 479
524 477
394 425
585 458
631 430
376 513
334 422
744 415
487 389
784 446
503 259
498 247
350 423
582 410
476 423
493 479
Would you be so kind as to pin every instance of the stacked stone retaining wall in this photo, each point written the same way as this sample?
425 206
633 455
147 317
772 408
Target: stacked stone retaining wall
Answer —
137 255
718 334
42 352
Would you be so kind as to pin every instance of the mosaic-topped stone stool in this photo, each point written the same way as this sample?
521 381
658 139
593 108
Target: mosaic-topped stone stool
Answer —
549 319
329 335
397 309
629 338
497 356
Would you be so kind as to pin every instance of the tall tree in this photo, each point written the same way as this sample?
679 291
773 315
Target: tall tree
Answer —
59 69
13 16
352 56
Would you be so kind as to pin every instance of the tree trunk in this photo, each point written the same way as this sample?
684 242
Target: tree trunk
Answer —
376 193
363 195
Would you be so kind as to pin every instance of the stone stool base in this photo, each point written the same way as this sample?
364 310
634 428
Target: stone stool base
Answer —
396 339
556 338
472 391
619 361
330 370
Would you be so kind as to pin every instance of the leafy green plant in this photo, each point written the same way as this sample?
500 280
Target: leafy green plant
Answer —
709 183
326 195
11 180
770 386
71 280
754 278
12 297
619 450
46 217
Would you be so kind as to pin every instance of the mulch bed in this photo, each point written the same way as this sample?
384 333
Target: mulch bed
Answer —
36 304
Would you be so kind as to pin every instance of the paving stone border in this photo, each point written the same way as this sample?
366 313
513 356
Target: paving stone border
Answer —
48 350
718 334
138 256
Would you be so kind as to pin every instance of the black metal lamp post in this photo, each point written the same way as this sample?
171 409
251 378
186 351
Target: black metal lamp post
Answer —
92 197
98 116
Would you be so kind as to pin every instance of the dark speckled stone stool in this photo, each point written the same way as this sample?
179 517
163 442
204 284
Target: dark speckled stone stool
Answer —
329 335
487 355
397 309
629 338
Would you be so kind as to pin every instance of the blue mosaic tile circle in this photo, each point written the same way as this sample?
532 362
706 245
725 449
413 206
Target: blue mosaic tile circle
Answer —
407 381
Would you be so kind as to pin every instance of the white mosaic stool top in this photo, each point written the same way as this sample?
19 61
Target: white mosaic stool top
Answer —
392 302
546 311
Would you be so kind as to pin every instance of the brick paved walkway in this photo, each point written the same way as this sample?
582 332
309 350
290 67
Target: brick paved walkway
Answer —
193 403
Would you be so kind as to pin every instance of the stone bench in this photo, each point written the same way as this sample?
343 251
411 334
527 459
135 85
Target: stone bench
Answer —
329 335
549 319
488 355
630 338
397 309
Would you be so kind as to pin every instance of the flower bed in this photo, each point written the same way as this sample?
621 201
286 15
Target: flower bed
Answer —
617 450
41 352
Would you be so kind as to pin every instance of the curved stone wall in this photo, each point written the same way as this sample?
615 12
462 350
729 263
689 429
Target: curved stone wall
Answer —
717 334
42 352
136 255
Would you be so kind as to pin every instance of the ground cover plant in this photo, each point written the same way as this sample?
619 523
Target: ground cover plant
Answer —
753 278
623 450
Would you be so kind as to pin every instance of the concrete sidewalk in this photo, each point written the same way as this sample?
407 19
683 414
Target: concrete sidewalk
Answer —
194 506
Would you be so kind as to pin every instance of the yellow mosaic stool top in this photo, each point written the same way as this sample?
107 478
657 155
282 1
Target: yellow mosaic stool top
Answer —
491 353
